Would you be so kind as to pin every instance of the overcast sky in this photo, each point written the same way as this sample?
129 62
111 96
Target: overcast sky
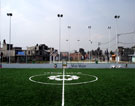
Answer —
36 21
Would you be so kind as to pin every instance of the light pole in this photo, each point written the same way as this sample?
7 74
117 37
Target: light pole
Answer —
89 27
59 16
10 15
116 18
99 43
0 24
69 27
78 48
67 47
0 34
109 28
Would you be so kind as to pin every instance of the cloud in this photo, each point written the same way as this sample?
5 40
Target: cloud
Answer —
36 21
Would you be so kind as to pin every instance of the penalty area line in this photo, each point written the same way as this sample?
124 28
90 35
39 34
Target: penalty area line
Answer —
63 85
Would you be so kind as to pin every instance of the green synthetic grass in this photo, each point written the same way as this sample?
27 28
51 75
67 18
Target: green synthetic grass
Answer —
115 87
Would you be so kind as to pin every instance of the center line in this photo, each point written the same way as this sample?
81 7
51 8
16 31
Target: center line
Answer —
63 87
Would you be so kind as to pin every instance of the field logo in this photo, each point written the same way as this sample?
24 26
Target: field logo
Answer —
66 77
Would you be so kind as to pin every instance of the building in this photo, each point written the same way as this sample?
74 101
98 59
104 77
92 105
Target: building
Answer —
75 56
37 53
15 53
41 53
125 53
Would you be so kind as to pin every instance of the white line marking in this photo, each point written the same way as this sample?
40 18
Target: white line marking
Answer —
63 84
63 87
79 83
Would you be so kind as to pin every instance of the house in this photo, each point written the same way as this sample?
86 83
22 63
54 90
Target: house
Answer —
53 55
15 53
124 53
34 53
38 53
132 58
41 53
75 56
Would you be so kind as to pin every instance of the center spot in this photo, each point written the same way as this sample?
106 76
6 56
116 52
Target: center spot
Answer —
66 77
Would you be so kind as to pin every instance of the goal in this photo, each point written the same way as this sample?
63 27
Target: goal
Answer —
64 63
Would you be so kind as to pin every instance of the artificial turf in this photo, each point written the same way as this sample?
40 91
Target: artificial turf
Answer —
115 87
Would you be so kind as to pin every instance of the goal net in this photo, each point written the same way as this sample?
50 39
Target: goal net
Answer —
64 63
126 40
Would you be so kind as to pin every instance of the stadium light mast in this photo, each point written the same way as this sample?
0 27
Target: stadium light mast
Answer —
67 46
78 48
10 15
89 27
99 43
59 16
69 27
0 24
116 18
109 28
0 34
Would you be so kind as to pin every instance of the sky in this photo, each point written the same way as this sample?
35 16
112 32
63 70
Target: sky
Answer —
36 22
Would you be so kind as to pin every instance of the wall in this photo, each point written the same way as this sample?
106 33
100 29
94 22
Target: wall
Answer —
73 65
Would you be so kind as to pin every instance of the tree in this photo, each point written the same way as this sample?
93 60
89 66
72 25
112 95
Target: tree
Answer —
111 53
82 51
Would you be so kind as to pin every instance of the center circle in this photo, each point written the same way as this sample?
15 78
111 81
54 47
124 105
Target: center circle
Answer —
94 78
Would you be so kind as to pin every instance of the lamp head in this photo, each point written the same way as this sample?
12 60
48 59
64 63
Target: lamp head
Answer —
89 27
9 14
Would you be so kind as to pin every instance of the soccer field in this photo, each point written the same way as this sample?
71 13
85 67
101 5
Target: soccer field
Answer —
82 87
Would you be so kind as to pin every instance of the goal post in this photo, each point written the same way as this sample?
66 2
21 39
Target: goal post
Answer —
64 63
